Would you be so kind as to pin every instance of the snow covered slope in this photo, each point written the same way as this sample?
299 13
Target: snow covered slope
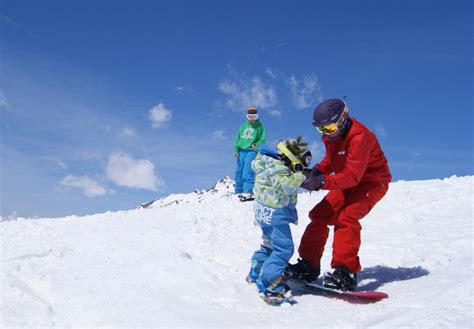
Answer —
181 261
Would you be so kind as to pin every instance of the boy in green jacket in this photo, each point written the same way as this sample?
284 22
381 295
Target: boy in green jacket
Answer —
250 136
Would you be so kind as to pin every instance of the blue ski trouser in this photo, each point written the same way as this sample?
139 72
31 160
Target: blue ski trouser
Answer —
244 174
269 262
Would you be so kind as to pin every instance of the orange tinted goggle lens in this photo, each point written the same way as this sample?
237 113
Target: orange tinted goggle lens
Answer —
327 129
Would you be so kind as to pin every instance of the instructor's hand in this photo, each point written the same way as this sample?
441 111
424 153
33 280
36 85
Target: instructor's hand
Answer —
314 181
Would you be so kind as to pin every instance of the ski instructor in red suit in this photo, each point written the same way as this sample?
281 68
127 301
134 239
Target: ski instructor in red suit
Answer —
355 171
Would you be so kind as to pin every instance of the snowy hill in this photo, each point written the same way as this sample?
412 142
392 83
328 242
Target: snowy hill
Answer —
181 261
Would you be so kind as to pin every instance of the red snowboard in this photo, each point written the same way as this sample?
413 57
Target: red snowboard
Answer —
360 297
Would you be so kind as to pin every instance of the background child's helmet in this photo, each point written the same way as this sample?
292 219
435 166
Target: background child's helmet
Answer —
299 153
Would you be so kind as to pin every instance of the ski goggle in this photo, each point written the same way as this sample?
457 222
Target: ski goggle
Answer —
252 116
331 128
327 129
296 164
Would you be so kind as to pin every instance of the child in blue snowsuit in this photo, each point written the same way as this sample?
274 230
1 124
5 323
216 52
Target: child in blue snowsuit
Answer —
275 191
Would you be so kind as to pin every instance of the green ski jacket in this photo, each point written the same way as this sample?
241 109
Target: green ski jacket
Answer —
249 134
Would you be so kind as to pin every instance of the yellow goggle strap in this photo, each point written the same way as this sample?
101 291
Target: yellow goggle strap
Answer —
295 163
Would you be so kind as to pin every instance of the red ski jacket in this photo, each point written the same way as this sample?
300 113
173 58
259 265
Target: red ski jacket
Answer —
355 159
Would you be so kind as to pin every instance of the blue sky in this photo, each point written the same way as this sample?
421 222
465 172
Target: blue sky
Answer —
108 104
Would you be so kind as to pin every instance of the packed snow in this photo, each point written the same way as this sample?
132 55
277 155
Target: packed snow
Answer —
181 262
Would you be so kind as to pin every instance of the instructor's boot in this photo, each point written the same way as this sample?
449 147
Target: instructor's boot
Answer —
340 279
302 270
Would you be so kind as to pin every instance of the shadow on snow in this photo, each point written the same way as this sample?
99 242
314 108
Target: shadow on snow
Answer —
371 278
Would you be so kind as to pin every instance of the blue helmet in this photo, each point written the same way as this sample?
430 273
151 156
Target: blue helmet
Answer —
329 111
331 118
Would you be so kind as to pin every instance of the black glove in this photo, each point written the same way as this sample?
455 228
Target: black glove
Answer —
314 181
314 171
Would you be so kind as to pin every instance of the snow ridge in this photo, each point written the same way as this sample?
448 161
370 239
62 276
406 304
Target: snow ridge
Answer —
223 187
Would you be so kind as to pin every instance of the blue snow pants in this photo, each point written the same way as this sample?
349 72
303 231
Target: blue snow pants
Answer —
244 175
269 262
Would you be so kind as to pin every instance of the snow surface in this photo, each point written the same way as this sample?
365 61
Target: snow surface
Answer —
181 261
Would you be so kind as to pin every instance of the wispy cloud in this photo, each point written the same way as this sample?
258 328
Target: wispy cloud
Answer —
256 49
61 164
90 188
128 132
218 135
241 92
185 90
11 23
123 170
159 115
91 155
380 130
275 113
3 102
7 20
271 73
305 92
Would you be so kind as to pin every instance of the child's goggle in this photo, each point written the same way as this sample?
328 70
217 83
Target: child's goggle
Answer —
296 164
252 116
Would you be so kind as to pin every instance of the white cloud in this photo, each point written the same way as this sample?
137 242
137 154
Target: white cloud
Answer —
306 92
271 73
185 90
244 92
160 115
123 170
61 164
275 113
218 135
129 132
3 102
90 188
240 91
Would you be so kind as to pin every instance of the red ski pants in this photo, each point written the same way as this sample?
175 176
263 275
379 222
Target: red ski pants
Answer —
343 209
